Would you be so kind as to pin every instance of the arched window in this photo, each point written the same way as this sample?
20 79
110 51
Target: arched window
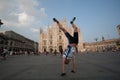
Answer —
60 37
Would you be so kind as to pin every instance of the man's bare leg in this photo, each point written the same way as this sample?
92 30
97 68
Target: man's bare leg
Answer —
63 59
73 25
60 25
74 60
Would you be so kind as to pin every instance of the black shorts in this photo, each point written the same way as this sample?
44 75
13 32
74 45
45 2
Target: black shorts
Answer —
73 39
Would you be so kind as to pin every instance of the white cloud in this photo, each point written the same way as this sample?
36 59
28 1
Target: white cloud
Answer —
21 12
23 16
25 19
34 30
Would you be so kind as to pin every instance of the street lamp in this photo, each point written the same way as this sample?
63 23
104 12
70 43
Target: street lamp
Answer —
96 39
1 23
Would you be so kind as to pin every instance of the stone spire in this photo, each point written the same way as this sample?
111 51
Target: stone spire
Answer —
41 30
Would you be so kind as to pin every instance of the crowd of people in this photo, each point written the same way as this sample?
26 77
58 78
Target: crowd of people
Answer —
4 52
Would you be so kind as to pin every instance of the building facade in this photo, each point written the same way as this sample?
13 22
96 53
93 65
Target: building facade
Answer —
118 29
102 46
53 39
16 42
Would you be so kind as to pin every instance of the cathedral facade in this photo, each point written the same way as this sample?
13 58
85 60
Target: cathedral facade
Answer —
53 39
118 28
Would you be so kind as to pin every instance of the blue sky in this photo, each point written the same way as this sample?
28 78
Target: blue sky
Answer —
96 18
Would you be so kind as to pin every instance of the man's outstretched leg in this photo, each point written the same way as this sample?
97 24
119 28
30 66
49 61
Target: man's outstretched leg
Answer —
63 58
73 25
60 25
76 42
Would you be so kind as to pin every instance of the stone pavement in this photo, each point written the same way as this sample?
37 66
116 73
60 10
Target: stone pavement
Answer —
90 66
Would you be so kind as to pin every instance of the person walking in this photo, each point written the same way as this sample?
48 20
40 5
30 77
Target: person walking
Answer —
5 52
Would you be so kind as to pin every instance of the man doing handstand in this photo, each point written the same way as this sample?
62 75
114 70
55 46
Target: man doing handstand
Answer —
70 52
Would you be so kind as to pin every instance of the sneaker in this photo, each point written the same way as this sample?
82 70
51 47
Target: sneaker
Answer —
73 20
54 19
63 74
72 71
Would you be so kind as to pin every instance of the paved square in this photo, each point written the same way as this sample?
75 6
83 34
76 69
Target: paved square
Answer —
90 66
